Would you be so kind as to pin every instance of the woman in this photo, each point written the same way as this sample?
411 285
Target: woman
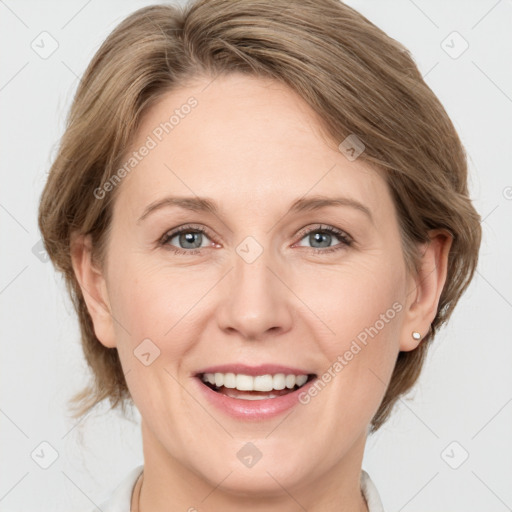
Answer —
208 151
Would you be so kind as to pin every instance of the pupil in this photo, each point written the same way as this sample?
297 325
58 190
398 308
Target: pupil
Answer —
189 238
318 238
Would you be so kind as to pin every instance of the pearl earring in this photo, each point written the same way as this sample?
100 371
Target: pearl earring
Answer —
416 335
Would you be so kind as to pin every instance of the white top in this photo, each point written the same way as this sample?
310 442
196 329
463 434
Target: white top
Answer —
120 499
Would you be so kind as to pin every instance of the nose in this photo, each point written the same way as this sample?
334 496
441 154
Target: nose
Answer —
256 302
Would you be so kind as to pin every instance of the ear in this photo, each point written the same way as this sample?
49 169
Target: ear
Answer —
94 289
425 287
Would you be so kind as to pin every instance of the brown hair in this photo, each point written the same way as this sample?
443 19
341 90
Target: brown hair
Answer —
354 76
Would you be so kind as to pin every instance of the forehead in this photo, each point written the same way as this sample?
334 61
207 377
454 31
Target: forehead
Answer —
240 138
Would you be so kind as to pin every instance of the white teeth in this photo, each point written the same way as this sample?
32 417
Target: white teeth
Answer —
301 380
244 382
259 383
263 383
279 381
290 381
229 380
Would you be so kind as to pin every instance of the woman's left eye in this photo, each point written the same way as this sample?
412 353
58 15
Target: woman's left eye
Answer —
323 235
191 239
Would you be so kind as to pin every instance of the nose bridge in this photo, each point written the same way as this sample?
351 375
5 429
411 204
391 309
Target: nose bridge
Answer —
255 300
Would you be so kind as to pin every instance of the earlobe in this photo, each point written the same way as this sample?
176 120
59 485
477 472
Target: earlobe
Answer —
425 289
94 290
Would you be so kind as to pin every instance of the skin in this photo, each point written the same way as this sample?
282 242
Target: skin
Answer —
254 147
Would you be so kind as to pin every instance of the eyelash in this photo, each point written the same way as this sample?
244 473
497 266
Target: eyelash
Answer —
346 240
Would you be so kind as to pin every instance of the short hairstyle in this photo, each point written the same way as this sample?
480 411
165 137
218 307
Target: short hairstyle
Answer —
355 77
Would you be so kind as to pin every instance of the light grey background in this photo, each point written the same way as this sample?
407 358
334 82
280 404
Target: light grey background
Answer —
465 392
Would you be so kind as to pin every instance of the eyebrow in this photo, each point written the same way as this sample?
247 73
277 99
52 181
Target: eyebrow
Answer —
202 204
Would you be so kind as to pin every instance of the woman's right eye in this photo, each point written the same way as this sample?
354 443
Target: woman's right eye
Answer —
189 240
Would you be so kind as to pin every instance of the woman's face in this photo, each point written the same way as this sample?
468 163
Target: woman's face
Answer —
265 284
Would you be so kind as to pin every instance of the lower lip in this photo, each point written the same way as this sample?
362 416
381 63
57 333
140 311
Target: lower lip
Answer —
253 409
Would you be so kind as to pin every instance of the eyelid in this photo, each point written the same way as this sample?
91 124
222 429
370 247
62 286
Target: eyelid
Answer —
171 233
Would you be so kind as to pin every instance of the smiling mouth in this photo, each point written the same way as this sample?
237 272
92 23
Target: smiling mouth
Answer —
246 387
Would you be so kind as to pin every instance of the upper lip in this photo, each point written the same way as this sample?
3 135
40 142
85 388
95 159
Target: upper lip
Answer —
262 369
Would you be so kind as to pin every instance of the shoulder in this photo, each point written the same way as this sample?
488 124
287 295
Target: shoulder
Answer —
370 493
120 499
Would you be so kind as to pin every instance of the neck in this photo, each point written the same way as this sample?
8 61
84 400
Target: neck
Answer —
169 485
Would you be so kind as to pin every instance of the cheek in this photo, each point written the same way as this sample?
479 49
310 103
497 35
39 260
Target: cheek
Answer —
158 303
363 309
157 322
361 306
